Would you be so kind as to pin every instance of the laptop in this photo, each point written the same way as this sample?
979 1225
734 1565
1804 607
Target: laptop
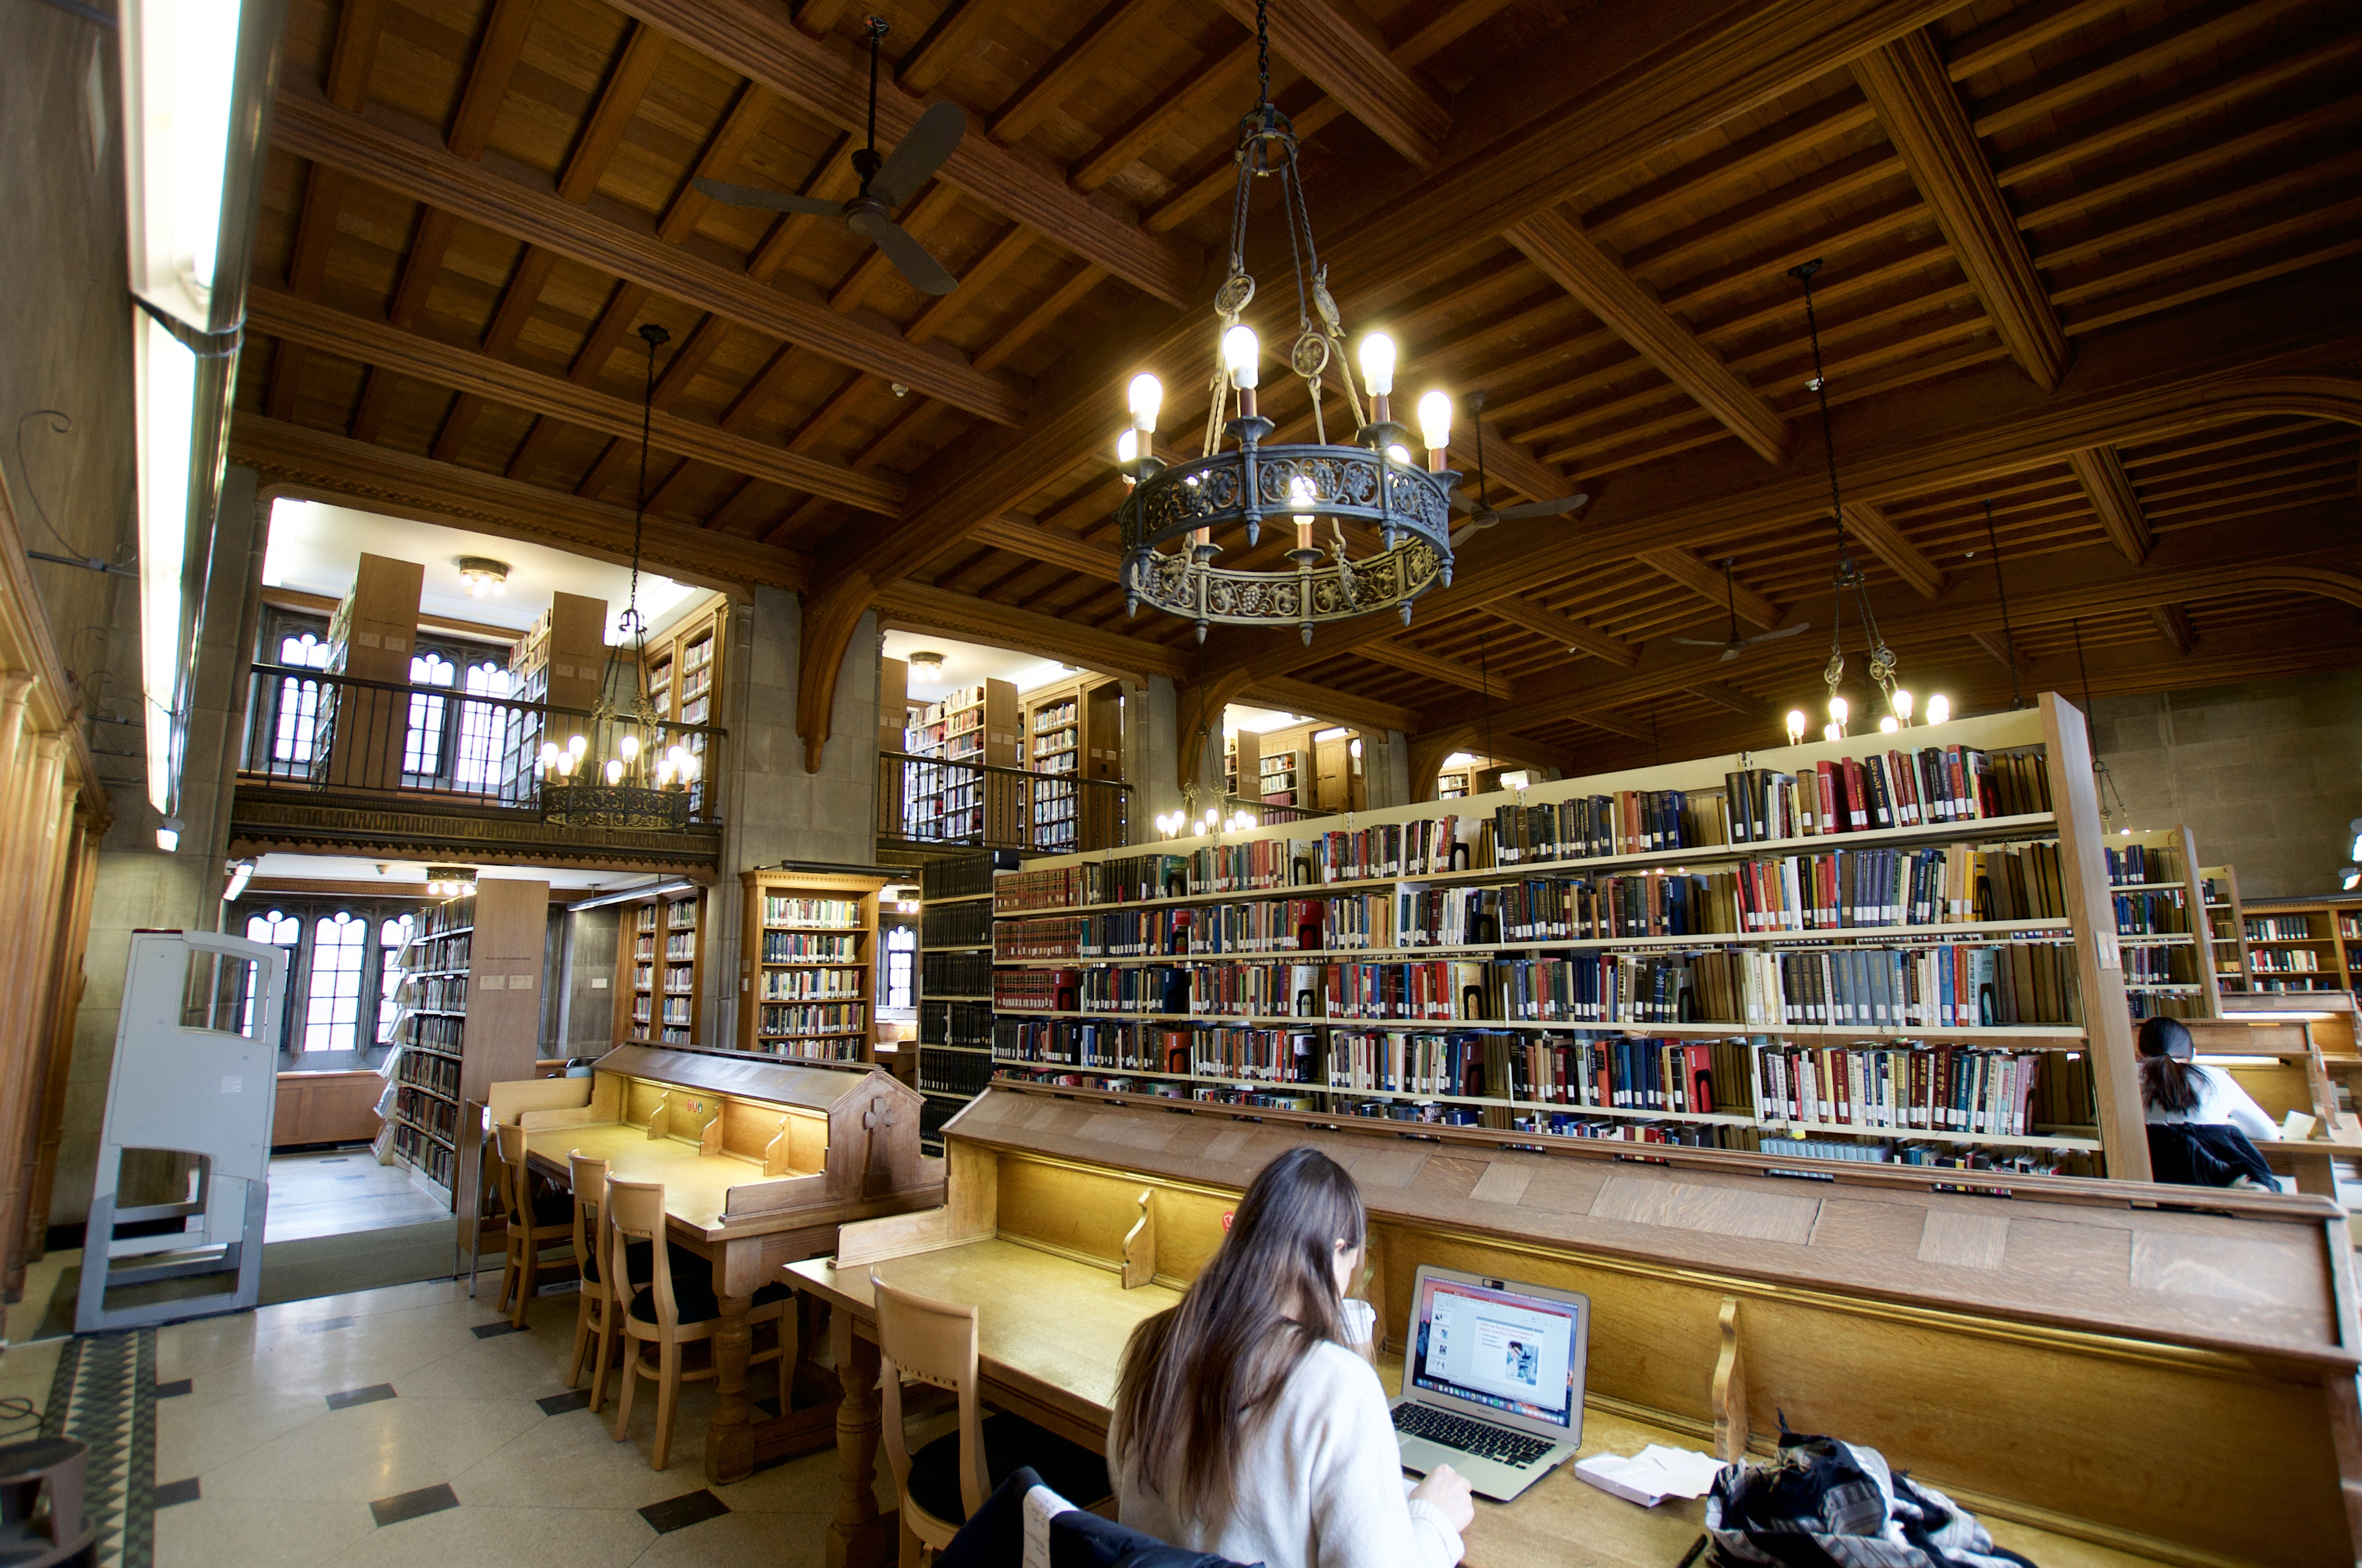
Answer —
1492 1379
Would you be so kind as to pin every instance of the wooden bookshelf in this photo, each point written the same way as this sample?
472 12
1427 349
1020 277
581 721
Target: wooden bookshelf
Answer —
808 966
561 660
1073 730
2032 1070
2226 926
981 725
2168 960
470 994
954 989
372 634
2298 944
660 969
685 668
1242 766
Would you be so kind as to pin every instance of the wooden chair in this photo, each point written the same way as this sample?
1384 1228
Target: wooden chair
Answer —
595 1319
671 1313
533 1222
935 1342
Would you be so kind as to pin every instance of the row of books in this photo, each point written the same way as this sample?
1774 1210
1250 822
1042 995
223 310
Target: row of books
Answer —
681 944
955 924
955 974
813 1018
445 952
956 876
953 1072
2160 914
432 1113
2136 864
441 993
431 1034
1630 822
2280 929
2161 966
955 1022
810 1049
1892 789
808 947
803 984
1941 1088
436 1074
433 1158
827 914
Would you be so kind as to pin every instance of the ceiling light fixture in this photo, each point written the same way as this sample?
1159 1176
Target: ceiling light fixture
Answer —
483 577
450 881
1320 486
928 665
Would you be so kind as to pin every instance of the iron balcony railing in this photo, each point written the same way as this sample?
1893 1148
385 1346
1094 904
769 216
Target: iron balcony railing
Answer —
924 801
310 728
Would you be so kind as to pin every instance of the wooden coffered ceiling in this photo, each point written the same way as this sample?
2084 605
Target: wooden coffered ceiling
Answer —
2090 263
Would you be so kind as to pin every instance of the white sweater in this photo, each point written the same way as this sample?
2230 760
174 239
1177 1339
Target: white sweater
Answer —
2221 1101
1320 1485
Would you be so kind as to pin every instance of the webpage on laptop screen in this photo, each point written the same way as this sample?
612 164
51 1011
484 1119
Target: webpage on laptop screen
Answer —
1497 1348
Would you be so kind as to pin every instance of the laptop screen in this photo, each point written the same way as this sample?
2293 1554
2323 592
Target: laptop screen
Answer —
1496 1347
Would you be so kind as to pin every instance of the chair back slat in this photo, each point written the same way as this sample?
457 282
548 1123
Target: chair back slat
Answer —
510 1138
931 1342
589 1178
635 1211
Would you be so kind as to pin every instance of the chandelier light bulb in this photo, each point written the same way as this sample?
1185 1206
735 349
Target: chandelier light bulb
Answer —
1889 725
1398 451
566 764
1795 726
1242 357
1127 446
629 746
1144 396
614 771
1829 732
1378 364
1246 818
1839 711
550 754
1435 419
690 765
1939 709
1902 701
663 774
577 745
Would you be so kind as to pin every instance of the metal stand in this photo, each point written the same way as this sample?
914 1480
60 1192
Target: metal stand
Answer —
205 1094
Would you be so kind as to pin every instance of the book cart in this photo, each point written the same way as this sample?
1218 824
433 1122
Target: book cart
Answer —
1704 968
660 967
807 965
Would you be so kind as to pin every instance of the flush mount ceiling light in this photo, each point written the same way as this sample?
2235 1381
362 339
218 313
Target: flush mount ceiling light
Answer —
927 665
450 881
483 577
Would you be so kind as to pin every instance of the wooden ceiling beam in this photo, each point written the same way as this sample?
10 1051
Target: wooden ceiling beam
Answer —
618 102
517 302
337 333
1183 98
1037 541
958 29
359 27
421 266
1998 646
1066 72
831 80
1914 100
2109 490
749 112
1351 709
2173 625
1350 61
1709 583
1885 541
312 465
1586 270
1419 663
623 308
1060 300
919 608
1566 630
1722 694
981 274
308 127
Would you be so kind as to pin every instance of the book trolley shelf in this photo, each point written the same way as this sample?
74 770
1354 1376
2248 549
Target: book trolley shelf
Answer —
660 969
471 1016
808 966
954 988
2303 944
2157 890
2226 926
1702 968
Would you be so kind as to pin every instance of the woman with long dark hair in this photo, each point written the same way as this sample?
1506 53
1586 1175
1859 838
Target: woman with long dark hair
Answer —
1243 1425
2200 1120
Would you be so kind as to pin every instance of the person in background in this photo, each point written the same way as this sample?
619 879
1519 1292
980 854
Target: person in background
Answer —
2200 1123
1246 1427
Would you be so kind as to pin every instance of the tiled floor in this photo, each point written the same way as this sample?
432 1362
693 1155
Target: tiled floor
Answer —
343 1190
377 1428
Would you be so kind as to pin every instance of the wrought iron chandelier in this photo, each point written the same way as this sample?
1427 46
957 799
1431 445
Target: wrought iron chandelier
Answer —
631 785
1170 516
1886 670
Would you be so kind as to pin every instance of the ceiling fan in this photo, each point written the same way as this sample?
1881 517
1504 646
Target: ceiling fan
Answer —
1481 516
886 183
1737 645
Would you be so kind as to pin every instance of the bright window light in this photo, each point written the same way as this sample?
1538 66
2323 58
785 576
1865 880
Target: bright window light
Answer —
166 374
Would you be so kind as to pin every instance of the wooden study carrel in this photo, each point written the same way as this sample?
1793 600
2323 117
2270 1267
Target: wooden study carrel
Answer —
2154 1371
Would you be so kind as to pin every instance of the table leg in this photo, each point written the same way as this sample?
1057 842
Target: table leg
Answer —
860 1537
730 1442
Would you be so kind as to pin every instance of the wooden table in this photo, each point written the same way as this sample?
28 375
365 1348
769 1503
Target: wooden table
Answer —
760 1163
1049 1339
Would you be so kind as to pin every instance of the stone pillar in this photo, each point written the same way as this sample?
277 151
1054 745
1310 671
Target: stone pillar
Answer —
1150 754
1385 768
772 809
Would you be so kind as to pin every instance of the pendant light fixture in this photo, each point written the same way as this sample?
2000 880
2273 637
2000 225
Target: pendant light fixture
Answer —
625 781
1174 510
1884 669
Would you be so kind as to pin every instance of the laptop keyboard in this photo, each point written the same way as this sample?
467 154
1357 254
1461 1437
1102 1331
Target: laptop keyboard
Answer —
1483 1439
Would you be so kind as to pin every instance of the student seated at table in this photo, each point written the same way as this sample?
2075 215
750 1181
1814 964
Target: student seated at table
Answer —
1246 1427
2200 1120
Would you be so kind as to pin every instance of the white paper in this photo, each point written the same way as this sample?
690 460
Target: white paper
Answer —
1041 1506
1651 1476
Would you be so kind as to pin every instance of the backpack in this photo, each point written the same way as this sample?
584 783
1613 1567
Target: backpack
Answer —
1826 1502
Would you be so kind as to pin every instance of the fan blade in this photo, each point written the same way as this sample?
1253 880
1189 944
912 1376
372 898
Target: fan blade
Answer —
1727 655
1559 508
771 201
1775 636
1461 536
908 257
1464 500
909 166
1696 642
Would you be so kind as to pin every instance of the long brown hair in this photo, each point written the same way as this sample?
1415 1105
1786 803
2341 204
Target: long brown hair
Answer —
2169 1078
1199 1378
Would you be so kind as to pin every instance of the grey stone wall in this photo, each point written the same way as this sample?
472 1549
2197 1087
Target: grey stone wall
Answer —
2265 775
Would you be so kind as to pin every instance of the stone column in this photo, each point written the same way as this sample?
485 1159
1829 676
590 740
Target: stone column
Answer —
1149 753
